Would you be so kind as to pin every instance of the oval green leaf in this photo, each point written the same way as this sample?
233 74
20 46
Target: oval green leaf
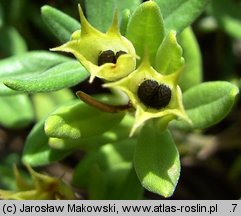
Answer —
16 111
79 120
36 150
47 102
117 133
169 55
208 103
27 64
129 189
115 160
156 160
192 74
179 14
63 75
59 23
146 29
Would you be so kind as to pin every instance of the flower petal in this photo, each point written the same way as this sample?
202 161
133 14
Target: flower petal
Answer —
88 44
131 84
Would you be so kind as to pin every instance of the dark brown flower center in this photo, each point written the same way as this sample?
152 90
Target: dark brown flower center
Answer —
153 95
109 56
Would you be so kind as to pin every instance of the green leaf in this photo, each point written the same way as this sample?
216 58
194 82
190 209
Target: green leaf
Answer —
7 180
114 160
61 76
11 42
36 150
46 102
98 183
127 4
156 160
125 8
117 133
129 189
179 14
169 55
15 111
146 29
228 16
124 21
79 120
208 103
59 23
192 74
100 13
26 64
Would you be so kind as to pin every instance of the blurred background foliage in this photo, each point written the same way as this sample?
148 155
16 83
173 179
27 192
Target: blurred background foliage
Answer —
211 159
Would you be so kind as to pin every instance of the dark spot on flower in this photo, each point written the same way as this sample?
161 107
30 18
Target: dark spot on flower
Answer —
107 56
146 91
153 95
162 97
119 53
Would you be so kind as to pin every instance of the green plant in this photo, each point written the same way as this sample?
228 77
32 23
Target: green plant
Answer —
122 149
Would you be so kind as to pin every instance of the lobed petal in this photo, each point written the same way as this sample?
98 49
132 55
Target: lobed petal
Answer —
131 83
86 45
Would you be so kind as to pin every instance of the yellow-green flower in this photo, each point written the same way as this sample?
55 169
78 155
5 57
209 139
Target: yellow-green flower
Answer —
165 96
105 55
42 187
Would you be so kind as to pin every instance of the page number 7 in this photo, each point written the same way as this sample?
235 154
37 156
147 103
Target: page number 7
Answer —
234 207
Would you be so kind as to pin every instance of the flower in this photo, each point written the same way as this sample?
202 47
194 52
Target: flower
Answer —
152 94
105 55
42 187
